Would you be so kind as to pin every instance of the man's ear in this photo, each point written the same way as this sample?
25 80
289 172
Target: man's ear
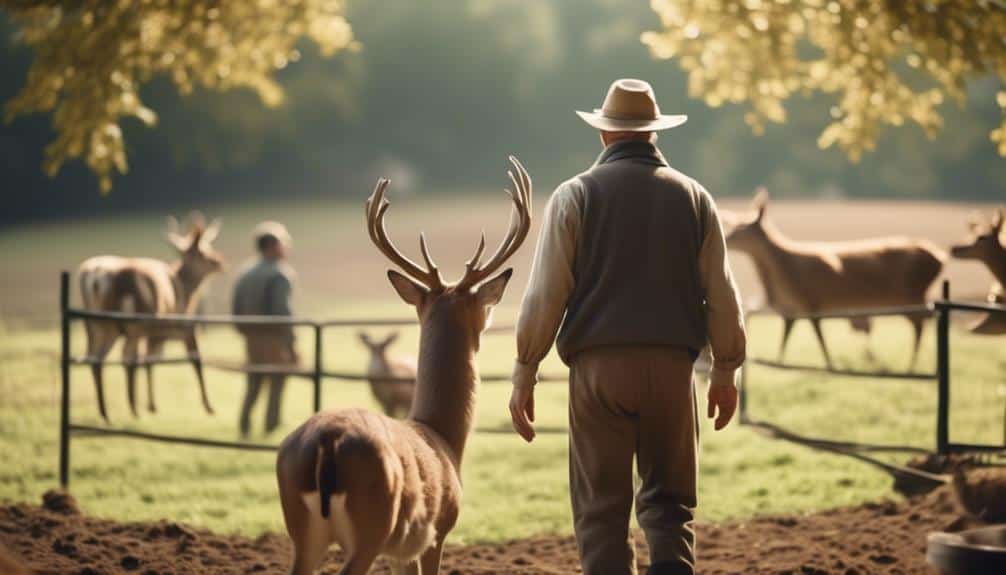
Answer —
491 292
410 291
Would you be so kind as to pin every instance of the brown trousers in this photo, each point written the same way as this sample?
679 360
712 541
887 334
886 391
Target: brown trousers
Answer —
627 402
265 347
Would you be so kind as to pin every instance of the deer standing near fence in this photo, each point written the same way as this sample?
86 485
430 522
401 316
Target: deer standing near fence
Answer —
392 379
803 278
148 286
381 486
986 246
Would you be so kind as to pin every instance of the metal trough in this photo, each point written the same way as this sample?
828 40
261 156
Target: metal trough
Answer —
979 551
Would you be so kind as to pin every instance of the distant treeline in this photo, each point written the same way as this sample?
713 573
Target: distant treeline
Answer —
437 97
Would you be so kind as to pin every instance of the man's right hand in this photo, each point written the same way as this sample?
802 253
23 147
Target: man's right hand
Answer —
722 399
522 411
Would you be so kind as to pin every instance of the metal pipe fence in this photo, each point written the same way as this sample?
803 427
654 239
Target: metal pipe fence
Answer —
942 310
317 373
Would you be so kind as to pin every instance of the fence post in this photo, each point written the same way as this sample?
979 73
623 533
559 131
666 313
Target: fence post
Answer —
943 372
64 364
317 367
743 392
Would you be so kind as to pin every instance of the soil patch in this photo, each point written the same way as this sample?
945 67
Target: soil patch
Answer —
886 537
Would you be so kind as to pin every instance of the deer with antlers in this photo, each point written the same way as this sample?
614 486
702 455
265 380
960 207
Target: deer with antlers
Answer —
802 278
149 286
986 246
392 379
381 486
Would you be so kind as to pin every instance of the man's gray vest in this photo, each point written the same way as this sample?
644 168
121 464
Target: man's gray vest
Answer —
636 272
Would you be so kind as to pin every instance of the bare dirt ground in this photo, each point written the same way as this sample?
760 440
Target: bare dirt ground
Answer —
887 537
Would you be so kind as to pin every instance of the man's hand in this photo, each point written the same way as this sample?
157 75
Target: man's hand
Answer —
522 411
722 398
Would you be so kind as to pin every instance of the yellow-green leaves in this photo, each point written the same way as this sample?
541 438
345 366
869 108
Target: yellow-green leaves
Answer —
887 63
92 57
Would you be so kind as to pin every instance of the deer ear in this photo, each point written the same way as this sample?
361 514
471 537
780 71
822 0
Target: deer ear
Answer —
760 201
392 338
410 291
728 218
363 337
997 220
491 292
177 241
210 233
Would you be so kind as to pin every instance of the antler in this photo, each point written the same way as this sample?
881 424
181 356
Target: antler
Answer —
377 206
520 224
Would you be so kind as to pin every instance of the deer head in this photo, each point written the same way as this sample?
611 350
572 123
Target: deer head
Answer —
748 229
377 347
467 304
195 245
984 243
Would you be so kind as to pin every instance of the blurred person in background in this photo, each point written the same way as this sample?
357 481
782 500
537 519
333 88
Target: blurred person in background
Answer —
265 287
631 272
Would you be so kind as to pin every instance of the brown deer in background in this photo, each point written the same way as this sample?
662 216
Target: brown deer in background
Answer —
388 375
381 486
986 246
145 285
803 278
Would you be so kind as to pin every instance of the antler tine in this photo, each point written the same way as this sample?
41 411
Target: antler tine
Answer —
473 263
171 223
376 207
525 180
517 230
431 267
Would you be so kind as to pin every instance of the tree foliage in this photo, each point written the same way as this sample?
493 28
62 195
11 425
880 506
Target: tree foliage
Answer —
885 62
93 56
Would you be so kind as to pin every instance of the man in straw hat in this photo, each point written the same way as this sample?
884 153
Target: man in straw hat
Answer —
264 287
631 272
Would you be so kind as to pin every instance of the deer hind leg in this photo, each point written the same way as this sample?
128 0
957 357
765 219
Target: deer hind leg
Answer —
192 347
864 325
407 568
129 358
307 530
918 323
820 339
787 327
310 542
155 349
430 560
100 339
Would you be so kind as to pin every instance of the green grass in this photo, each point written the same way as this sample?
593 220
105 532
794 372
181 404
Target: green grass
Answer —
512 489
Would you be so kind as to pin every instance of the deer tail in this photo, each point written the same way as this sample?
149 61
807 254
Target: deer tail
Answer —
326 475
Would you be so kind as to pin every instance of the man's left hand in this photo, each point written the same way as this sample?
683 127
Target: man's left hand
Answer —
522 411
722 398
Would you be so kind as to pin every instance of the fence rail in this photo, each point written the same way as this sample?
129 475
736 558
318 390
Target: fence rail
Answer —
317 373
942 309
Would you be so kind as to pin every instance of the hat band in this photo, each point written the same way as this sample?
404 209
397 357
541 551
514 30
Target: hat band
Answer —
609 114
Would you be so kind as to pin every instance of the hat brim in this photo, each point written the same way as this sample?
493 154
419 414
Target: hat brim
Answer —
662 122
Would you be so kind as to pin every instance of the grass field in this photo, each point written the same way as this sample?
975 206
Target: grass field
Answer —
512 489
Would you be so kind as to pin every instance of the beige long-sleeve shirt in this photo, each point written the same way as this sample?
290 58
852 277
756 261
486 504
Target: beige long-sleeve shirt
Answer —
552 282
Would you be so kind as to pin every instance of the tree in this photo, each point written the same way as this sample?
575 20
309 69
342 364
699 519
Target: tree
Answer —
886 62
93 56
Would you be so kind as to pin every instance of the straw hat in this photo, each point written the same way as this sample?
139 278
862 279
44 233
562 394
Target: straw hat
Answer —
630 106
274 229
